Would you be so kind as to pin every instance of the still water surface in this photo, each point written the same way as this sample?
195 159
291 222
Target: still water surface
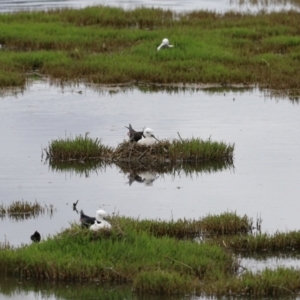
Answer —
175 5
264 181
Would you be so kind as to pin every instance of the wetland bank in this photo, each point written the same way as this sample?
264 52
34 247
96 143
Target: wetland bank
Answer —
255 185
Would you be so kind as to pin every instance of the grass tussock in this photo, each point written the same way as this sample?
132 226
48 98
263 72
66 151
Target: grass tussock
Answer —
153 257
114 257
268 283
263 242
213 225
188 150
21 210
78 148
112 46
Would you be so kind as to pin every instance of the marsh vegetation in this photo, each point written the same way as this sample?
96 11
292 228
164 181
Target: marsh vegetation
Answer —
113 46
177 150
155 257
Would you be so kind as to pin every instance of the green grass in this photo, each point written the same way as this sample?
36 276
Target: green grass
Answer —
124 255
225 224
263 242
77 148
112 45
187 150
154 257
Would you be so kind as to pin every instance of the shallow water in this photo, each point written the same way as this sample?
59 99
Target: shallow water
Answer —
179 5
264 181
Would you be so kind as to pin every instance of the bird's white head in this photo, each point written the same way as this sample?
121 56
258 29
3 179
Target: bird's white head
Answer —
165 42
100 214
148 132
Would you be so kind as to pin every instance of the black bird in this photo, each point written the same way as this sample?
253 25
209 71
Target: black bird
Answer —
36 237
134 136
85 220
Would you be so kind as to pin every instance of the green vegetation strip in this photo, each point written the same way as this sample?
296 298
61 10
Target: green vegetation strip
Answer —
111 45
152 257
263 243
123 255
182 150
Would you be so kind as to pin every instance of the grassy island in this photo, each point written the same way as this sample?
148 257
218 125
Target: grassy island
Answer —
178 150
161 257
107 45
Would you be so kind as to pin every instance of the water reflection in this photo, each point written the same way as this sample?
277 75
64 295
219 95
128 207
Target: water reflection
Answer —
136 171
259 262
26 289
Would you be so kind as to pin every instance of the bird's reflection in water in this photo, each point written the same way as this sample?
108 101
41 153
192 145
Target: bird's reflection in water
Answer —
147 178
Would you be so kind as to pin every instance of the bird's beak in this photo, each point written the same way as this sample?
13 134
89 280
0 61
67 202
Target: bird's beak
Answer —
154 137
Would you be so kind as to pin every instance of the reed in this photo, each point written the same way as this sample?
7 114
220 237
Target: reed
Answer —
113 45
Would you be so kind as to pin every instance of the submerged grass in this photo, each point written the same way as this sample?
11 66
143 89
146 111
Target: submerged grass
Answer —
113 45
20 210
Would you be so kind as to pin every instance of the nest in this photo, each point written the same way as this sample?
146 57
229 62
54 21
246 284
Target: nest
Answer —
128 151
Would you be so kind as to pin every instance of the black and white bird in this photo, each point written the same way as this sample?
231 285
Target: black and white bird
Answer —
100 222
85 220
134 136
148 138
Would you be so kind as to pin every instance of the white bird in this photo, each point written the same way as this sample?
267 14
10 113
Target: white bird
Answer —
164 44
100 222
148 139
